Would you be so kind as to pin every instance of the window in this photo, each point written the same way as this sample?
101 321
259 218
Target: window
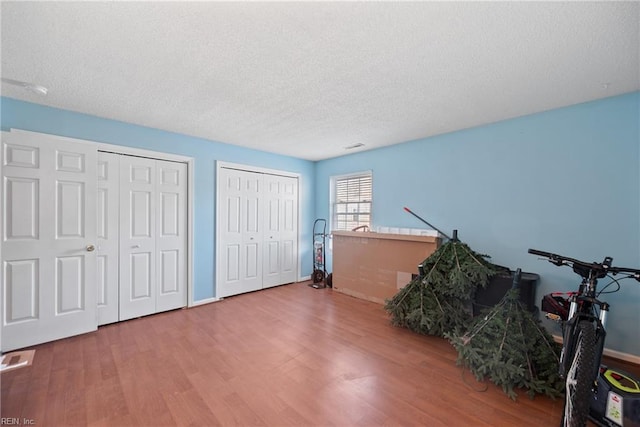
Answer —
352 197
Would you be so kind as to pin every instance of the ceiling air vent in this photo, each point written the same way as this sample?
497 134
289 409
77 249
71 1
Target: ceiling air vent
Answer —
351 147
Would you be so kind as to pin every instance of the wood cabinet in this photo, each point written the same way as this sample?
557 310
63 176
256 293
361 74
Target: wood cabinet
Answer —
374 266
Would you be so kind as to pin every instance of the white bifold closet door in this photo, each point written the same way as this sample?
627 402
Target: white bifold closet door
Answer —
48 238
88 238
107 259
258 231
240 221
143 238
280 201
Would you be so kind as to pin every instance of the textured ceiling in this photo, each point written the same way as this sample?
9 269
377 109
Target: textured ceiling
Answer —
308 79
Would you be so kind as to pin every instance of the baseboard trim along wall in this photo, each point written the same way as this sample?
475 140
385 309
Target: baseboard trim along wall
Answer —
631 358
214 299
205 301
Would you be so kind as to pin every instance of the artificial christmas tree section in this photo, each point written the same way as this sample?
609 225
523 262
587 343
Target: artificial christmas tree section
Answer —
511 348
504 344
439 300
373 266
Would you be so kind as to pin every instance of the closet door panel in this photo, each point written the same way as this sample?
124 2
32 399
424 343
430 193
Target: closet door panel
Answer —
281 233
273 226
108 213
239 232
137 256
289 230
171 235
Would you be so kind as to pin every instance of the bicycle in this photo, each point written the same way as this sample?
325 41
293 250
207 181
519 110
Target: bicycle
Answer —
583 317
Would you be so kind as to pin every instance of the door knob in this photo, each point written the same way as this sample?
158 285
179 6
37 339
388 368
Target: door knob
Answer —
90 248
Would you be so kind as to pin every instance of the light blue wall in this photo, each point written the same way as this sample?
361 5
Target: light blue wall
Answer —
564 181
23 115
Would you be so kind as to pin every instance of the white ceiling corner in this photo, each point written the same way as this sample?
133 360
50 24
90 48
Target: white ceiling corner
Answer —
307 79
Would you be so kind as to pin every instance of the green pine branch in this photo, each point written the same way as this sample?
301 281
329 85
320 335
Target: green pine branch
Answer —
440 302
510 348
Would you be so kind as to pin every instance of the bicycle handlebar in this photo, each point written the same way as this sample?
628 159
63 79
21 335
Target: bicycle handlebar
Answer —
584 268
541 253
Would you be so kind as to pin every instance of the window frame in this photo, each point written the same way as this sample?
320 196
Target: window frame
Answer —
333 197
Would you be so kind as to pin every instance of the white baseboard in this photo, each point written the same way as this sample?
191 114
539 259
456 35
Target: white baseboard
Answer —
622 356
631 358
205 301
214 299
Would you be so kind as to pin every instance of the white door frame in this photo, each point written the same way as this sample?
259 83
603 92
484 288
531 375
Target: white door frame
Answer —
229 165
139 152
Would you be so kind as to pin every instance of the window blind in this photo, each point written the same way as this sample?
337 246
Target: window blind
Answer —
353 199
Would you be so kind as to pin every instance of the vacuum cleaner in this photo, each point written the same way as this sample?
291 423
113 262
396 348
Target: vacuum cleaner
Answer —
616 401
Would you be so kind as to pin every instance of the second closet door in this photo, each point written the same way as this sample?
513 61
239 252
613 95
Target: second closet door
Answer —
150 234
257 231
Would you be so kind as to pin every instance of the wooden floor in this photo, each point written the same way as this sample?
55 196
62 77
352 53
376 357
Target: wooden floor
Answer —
290 355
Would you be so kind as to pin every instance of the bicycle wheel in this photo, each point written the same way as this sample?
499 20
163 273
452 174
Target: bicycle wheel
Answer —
580 378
